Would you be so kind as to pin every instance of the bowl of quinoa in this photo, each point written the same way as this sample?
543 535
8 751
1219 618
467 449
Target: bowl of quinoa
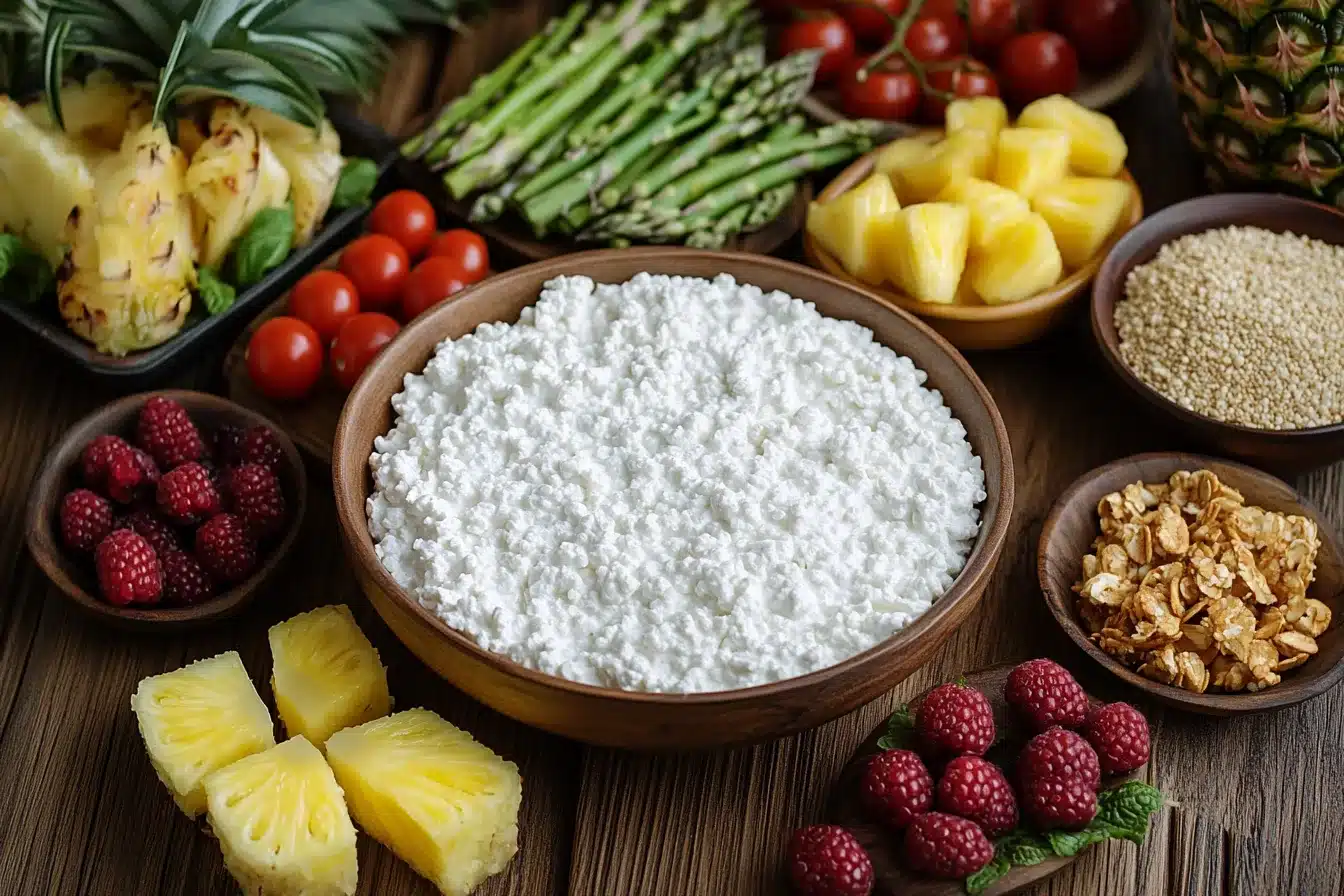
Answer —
1224 314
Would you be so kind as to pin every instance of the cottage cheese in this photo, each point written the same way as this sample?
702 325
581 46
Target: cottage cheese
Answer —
673 485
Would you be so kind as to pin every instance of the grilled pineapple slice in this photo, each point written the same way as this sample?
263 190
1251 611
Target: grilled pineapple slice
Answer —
958 157
197 720
1097 148
97 113
991 206
850 225
987 114
926 254
1023 261
313 160
44 178
1082 213
326 674
282 824
442 802
1029 159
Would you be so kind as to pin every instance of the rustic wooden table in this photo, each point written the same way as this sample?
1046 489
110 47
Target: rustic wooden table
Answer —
1255 808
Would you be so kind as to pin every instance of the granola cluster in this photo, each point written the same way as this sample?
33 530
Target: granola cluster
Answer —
1197 589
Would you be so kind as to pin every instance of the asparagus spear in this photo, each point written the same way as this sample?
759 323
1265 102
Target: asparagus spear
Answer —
733 220
768 207
769 177
619 189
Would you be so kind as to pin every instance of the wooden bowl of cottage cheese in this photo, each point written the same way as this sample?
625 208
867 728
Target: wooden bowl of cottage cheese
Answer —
671 499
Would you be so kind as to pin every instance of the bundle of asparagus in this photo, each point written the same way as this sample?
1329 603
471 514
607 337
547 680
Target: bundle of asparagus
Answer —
651 121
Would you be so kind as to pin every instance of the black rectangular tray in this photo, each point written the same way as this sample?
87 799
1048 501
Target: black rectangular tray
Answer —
152 367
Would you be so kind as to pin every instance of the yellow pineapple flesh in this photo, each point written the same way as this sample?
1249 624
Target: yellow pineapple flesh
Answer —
1097 148
1029 159
282 825
313 159
900 153
326 675
987 114
957 157
849 226
44 177
197 720
425 789
97 113
991 206
926 254
1082 213
1022 262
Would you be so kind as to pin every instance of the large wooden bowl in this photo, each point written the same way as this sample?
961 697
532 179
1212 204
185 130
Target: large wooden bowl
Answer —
1072 525
618 718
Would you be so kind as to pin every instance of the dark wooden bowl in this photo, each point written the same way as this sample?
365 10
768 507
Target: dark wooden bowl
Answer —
890 877
1287 451
59 474
612 717
1072 526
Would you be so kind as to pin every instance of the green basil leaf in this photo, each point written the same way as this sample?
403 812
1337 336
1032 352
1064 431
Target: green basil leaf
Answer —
900 733
983 879
217 295
263 246
355 187
25 276
1127 808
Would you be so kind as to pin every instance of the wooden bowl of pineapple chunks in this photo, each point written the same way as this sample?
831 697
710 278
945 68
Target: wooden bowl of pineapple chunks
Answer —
988 232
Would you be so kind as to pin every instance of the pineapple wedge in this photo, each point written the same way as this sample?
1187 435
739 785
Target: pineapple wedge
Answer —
313 160
1097 147
45 178
926 251
282 824
850 225
1022 262
1082 213
326 675
900 153
987 114
430 793
991 206
197 720
1029 159
97 113
957 157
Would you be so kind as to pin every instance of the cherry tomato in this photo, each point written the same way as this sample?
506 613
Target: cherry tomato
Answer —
377 265
962 78
933 40
782 9
432 281
870 20
407 217
889 92
1038 64
465 248
360 340
941 9
284 358
324 300
992 22
823 31
1105 32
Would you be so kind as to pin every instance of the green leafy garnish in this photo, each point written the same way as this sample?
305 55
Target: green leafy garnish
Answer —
1023 848
1127 808
263 246
25 276
217 295
981 880
1070 843
900 731
358 178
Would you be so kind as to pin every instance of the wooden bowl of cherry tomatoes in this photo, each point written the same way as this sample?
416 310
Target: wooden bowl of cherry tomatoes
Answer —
900 61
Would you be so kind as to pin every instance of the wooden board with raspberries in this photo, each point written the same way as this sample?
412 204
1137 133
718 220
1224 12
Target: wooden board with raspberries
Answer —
984 785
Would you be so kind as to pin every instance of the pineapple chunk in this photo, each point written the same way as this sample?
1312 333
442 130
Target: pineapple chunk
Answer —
282 824
326 674
96 113
926 254
900 153
849 226
1030 159
991 206
1082 213
1023 261
958 157
431 794
313 159
45 178
1097 147
987 114
198 719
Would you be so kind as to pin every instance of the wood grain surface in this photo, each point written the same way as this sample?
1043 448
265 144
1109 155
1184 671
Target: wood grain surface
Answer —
1255 807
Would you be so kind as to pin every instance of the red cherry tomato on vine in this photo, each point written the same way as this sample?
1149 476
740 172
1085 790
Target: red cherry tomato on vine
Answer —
284 358
870 20
432 281
889 92
361 338
824 31
1038 64
933 40
377 265
940 9
465 248
407 217
992 22
962 78
1105 32
324 300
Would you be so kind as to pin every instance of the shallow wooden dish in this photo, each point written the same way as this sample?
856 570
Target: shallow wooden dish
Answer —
617 718
58 475
884 848
1072 526
974 327
1288 451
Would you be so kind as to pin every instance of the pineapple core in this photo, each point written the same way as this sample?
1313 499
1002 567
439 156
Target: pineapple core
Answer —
1022 262
926 254
1082 213
850 226
1097 148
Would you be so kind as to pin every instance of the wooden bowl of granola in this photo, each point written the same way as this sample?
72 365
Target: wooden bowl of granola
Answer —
1204 600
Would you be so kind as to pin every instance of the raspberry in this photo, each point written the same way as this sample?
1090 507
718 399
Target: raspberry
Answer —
1045 694
1119 734
188 495
125 479
942 845
225 549
260 446
184 581
227 445
826 860
154 529
148 469
85 520
95 458
979 791
954 720
255 496
1059 755
128 570
1060 804
896 787
165 430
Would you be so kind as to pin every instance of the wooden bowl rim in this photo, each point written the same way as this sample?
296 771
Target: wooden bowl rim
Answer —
1059 294
45 547
351 513
1290 691
1203 213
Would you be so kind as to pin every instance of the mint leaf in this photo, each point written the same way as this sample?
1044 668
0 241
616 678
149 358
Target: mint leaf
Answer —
1125 810
900 733
983 879
1070 843
25 276
263 246
217 295
355 187
1023 848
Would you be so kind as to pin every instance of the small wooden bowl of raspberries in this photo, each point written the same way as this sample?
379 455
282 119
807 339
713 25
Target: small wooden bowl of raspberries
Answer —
166 509
980 786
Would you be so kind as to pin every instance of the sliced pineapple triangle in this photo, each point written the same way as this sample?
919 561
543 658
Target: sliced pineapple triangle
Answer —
849 226
198 719
424 788
282 824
